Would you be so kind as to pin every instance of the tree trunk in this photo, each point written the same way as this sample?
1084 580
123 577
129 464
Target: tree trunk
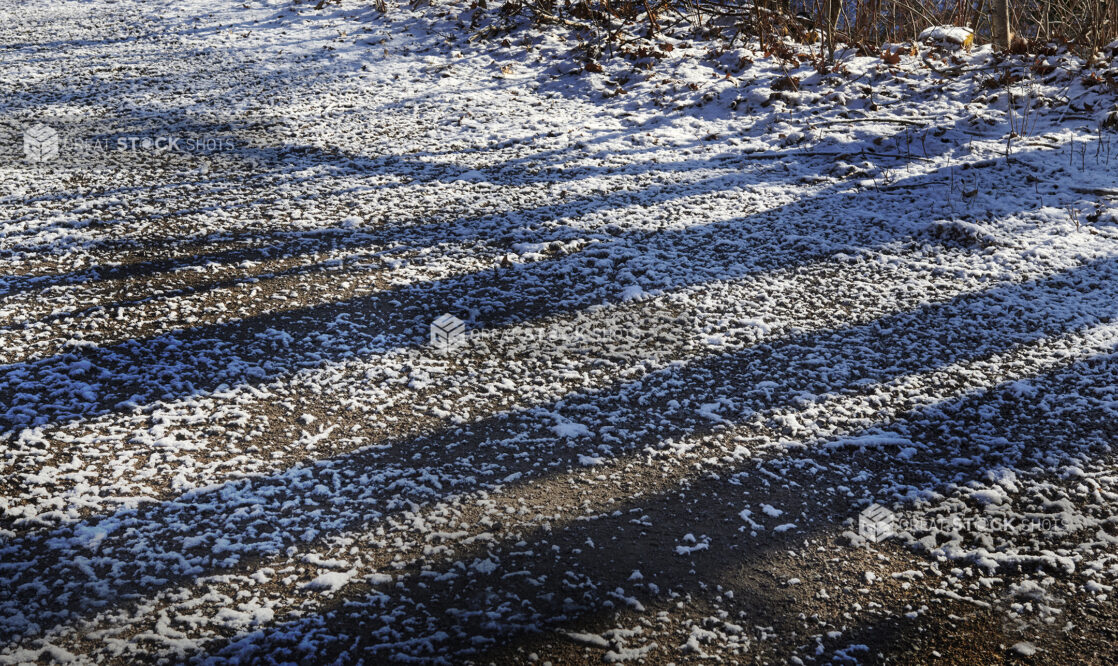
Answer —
831 10
999 24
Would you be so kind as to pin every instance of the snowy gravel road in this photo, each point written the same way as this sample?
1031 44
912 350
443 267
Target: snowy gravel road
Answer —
708 324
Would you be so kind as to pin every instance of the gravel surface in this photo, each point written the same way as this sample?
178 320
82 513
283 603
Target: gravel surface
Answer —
749 372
